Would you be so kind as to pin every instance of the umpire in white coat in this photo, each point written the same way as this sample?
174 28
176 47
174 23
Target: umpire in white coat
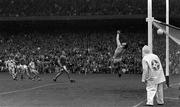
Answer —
153 76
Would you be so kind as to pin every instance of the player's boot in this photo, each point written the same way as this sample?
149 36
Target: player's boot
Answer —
119 75
39 79
15 78
54 79
72 81
30 78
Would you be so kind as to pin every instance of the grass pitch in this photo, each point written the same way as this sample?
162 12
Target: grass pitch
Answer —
93 90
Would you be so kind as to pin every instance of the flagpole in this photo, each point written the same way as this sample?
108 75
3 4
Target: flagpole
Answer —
167 43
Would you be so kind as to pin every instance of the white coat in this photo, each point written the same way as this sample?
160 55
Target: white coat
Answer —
153 76
152 69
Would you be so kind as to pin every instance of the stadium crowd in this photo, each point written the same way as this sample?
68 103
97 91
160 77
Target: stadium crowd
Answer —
83 7
88 52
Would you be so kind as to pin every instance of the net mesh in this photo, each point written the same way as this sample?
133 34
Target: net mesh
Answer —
159 46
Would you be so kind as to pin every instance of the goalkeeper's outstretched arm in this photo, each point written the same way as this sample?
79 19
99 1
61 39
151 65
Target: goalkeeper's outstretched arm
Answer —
117 39
119 47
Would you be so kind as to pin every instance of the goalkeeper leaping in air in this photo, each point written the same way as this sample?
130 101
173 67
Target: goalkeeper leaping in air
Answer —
117 57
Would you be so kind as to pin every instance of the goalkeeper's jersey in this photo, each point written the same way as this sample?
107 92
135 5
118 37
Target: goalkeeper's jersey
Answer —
118 52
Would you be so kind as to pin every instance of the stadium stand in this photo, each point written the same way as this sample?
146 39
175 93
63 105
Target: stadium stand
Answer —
84 49
86 53
18 8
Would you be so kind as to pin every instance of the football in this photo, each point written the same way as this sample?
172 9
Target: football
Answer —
160 32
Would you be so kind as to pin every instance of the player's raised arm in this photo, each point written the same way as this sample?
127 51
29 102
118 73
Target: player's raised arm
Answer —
117 38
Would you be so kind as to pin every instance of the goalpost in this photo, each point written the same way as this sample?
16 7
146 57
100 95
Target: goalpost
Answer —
150 34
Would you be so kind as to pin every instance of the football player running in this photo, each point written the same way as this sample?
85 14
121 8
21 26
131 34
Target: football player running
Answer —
12 68
32 68
61 64
22 68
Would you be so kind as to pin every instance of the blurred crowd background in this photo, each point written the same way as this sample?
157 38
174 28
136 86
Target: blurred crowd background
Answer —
88 51
83 7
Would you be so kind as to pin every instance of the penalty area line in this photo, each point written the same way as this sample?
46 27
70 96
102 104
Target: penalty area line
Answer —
29 89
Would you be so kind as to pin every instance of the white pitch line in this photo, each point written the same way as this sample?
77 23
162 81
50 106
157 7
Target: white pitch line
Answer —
171 98
29 89
138 104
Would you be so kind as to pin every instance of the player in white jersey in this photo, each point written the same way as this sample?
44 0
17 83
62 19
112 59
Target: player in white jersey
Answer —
10 64
32 68
117 57
153 76
23 69
7 63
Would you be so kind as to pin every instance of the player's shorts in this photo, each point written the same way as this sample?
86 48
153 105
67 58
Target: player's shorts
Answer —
62 69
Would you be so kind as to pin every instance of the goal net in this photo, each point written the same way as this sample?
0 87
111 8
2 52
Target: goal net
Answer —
159 47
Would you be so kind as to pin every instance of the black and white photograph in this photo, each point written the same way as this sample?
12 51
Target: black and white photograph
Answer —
89 53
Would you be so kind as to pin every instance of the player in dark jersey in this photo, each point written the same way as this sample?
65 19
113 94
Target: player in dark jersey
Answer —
117 57
61 64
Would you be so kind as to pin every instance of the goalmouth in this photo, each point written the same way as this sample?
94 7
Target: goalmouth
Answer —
149 20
